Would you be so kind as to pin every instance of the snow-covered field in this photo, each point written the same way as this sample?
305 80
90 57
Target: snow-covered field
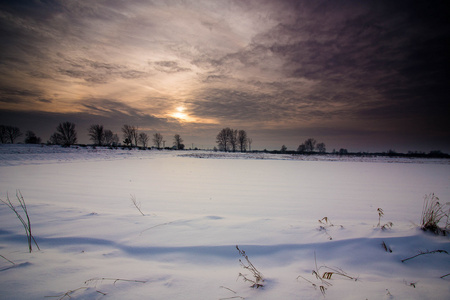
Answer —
198 206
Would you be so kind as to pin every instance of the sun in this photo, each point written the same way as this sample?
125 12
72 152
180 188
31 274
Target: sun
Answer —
179 114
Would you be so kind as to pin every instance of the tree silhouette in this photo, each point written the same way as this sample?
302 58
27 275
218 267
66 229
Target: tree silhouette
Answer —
301 148
2 134
178 142
135 135
321 148
129 134
65 134
249 141
310 145
242 140
111 139
233 139
157 140
143 139
31 138
97 134
223 139
11 133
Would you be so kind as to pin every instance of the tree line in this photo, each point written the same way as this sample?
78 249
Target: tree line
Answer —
227 140
66 135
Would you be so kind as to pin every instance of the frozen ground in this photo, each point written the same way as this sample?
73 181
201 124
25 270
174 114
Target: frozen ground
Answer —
198 206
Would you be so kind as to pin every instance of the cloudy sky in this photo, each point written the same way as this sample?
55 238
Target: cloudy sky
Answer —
361 75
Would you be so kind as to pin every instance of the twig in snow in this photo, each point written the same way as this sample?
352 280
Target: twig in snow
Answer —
445 275
423 253
258 277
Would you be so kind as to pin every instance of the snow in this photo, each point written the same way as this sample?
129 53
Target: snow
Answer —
198 206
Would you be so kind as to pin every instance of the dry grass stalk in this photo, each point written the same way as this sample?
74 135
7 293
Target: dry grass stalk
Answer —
87 282
324 283
386 226
258 277
425 252
432 214
322 288
233 297
380 214
26 223
136 204
325 224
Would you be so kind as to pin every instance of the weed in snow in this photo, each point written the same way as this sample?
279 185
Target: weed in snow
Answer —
257 276
26 223
433 213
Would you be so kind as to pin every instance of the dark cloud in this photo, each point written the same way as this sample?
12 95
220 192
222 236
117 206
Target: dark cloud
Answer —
18 95
169 67
115 110
97 71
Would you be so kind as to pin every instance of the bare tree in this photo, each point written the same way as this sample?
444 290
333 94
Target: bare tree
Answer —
225 138
109 138
242 140
130 134
233 139
97 134
178 142
115 140
301 148
3 134
55 139
143 139
12 133
249 141
157 140
31 138
310 144
65 134
135 135
283 149
222 140
321 148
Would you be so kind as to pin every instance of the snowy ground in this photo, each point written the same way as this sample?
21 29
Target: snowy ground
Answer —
198 206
